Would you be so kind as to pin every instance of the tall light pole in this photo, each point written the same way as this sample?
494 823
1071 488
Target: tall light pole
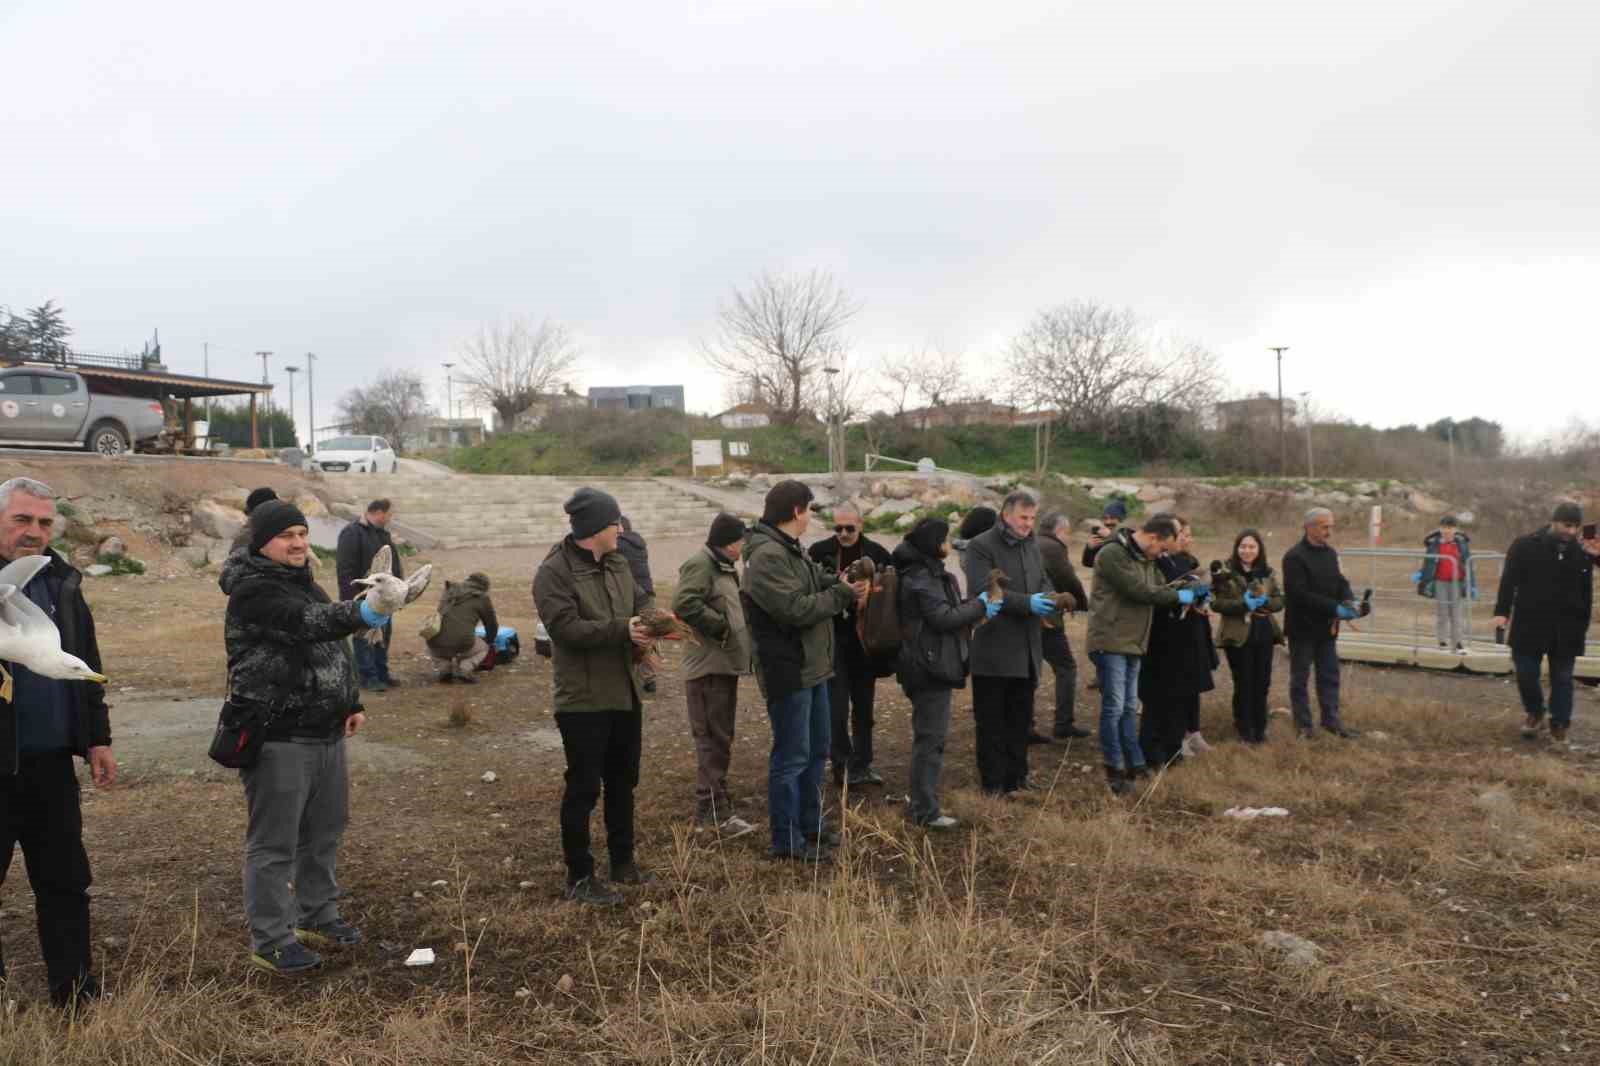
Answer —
1283 442
272 444
311 404
833 422
1305 413
291 371
449 433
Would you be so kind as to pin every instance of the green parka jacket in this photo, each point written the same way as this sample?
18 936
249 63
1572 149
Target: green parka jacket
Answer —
1127 589
585 606
707 600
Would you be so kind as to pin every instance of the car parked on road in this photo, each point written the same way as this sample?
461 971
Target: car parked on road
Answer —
44 406
355 455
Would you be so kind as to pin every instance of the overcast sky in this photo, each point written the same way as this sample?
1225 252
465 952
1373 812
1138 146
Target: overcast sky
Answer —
1403 193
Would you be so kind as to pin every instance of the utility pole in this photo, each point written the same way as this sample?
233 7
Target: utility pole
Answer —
1305 413
311 403
206 372
271 443
291 372
833 423
1283 442
449 431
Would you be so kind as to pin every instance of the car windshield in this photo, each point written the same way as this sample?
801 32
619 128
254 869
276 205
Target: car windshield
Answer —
347 444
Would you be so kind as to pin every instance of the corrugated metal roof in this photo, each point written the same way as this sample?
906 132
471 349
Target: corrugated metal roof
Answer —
191 386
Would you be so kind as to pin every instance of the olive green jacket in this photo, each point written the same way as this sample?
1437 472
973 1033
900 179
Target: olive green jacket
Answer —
707 600
1127 589
790 604
585 605
1227 594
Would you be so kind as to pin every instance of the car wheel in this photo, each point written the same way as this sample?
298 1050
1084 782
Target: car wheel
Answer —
106 439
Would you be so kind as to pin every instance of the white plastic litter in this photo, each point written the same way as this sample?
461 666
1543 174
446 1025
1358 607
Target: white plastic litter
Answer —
1256 812
420 957
488 777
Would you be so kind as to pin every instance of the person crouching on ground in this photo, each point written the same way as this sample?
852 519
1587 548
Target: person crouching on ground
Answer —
1247 597
587 601
456 649
932 662
286 652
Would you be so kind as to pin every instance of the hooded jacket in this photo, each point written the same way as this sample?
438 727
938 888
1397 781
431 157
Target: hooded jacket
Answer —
88 718
585 607
1127 590
1428 584
1011 643
789 603
462 606
286 649
935 623
358 543
707 600
1547 590
633 548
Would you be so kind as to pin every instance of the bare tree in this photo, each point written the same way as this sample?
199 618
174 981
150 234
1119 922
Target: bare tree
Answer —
1081 359
393 406
937 379
778 335
510 366
1178 372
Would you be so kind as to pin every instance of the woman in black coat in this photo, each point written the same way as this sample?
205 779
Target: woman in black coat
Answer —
1176 670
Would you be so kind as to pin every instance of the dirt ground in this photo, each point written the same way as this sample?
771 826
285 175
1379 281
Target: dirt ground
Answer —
1446 870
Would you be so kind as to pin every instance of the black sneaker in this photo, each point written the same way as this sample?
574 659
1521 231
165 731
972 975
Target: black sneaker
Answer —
1558 733
826 839
1344 732
810 853
1531 726
377 688
447 678
288 961
390 682
466 679
334 934
76 994
1036 737
1115 781
1306 734
867 776
628 873
593 891
1072 732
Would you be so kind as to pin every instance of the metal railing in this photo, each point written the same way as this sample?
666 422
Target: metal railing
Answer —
872 459
1403 617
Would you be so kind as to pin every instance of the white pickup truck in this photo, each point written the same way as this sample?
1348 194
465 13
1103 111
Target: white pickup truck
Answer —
43 406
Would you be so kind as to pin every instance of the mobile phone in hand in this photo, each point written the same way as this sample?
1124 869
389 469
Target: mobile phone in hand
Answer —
1589 531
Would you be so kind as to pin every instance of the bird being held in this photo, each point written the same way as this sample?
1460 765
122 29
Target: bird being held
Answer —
28 636
386 593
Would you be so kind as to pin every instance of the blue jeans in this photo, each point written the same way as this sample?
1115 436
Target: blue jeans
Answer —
1532 692
1119 700
800 736
372 660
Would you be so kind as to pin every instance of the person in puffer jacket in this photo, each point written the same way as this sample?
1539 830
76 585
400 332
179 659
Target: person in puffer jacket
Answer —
456 649
287 653
933 657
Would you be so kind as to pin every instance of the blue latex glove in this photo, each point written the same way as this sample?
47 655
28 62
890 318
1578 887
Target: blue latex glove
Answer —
1253 602
373 618
1041 604
1472 594
1347 613
990 607
1202 593
1416 577
1185 597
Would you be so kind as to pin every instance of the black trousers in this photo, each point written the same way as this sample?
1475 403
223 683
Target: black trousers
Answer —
39 810
1162 723
1002 709
851 692
1058 653
602 750
1251 665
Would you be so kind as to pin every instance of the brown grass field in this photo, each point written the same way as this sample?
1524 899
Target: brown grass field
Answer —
1070 927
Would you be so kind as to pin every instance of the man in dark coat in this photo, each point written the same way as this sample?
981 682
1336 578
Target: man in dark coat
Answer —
1318 598
1547 594
1007 650
358 544
1054 530
632 547
1112 516
854 685
47 722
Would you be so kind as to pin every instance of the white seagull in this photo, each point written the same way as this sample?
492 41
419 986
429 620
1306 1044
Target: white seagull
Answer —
387 593
27 635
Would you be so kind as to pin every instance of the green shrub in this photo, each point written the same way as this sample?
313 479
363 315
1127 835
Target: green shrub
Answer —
120 564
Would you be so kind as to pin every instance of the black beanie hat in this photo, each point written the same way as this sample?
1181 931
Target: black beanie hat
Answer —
927 535
1567 511
258 497
590 511
1114 509
725 530
978 520
271 518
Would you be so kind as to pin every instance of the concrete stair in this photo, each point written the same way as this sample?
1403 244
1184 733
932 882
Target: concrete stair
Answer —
502 511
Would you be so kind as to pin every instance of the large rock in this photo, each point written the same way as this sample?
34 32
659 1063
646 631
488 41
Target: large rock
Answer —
1159 505
1424 504
894 507
901 488
216 520
1152 493
1297 951
112 547
906 521
311 506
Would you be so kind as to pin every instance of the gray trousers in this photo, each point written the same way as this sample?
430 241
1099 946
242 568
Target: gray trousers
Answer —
1451 603
1058 653
1318 655
297 803
930 725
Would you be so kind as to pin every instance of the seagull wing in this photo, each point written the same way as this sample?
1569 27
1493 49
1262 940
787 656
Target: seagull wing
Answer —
417 583
382 563
27 615
21 571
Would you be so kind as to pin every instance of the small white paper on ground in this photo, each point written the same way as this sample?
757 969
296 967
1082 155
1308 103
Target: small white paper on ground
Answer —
420 957
1256 812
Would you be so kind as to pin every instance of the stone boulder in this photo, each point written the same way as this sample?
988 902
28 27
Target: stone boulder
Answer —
213 519
901 488
1152 493
906 521
1426 505
894 507
311 506
111 547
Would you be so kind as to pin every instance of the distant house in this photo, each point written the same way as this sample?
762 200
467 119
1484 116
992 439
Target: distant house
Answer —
445 433
746 416
534 416
636 397
972 413
1258 410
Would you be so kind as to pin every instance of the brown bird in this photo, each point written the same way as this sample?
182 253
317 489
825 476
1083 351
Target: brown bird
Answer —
1065 603
664 625
863 569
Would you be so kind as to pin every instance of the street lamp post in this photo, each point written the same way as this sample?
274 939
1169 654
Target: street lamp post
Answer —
291 371
311 407
833 422
272 443
449 433
1283 441
1305 413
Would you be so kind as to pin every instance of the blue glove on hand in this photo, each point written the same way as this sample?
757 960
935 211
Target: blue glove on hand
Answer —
1041 604
1185 597
373 618
1253 602
1472 594
1416 577
1202 593
990 607
1347 613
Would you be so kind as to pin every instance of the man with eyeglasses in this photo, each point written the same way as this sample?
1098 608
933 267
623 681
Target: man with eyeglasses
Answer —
855 673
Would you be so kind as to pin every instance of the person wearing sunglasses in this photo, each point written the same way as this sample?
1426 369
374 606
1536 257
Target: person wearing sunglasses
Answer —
853 688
